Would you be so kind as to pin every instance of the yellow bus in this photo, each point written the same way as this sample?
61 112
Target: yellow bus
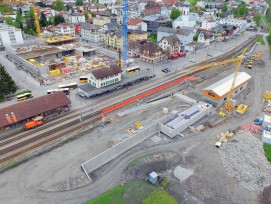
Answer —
25 96
71 86
65 90
83 79
132 70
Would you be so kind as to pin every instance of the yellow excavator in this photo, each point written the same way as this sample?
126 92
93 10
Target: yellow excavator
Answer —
11 2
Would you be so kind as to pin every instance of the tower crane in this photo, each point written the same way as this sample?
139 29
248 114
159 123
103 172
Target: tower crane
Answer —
10 2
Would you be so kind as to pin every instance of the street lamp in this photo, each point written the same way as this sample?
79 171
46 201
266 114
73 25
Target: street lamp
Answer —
153 68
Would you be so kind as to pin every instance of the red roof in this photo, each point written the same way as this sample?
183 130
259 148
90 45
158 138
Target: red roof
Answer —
32 107
133 21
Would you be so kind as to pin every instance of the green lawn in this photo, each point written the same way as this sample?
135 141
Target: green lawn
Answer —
260 40
133 192
267 151
193 2
159 197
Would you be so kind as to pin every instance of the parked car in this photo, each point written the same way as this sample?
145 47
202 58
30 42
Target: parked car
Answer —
165 70
174 56
192 60
181 54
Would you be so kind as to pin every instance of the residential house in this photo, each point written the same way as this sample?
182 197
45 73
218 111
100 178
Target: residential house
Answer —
105 76
48 30
224 32
208 23
134 48
135 35
76 18
106 1
113 39
187 19
100 21
165 11
155 21
92 33
170 44
242 24
184 34
93 8
151 52
152 8
9 35
64 29
77 28
206 38
133 13
136 24
111 27
211 12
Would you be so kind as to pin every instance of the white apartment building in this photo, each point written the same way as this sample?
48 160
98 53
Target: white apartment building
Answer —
65 28
208 22
92 33
105 76
9 35
76 18
242 24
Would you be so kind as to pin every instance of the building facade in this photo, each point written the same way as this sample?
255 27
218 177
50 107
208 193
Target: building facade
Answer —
92 33
64 29
152 8
76 18
105 76
9 35
170 44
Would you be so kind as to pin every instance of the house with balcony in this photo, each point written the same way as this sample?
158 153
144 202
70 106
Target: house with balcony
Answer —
92 33
65 29
136 24
206 38
170 44
76 18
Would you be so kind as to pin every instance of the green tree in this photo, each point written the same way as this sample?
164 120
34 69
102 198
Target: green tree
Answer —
79 3
225 7
241 10
30 20
59 5
9 20
7 84
175 13
19 20
58 19
196 36
86 15
5 9
257 18
43 20
93 15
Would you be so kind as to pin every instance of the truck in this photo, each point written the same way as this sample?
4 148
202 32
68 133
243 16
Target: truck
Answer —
38 121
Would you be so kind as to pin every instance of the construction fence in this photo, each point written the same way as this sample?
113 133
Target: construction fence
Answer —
112 153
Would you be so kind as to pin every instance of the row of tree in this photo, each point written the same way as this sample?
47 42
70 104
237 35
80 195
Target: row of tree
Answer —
7 84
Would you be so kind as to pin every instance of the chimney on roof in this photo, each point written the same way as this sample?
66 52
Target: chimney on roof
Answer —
14 118
8 119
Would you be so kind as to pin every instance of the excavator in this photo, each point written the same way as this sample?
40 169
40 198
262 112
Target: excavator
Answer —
11 2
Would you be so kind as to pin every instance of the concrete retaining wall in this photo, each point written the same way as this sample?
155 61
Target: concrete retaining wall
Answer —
106 156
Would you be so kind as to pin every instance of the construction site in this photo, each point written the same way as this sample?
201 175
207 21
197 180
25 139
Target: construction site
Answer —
203 130
57 58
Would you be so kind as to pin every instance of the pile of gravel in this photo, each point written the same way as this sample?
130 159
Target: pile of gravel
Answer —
244 160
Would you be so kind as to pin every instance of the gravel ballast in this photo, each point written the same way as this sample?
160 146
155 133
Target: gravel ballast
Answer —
244 159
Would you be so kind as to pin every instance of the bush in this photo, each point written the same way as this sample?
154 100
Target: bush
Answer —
267 151
2 98
165 183
23 92
260 40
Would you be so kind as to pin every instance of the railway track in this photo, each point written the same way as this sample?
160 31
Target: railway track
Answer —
94 115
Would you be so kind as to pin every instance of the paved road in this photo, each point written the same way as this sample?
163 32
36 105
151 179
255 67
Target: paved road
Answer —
23 183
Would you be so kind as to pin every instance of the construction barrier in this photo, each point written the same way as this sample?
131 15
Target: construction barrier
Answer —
147 93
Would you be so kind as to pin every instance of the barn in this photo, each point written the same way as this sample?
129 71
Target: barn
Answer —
218 92
26 110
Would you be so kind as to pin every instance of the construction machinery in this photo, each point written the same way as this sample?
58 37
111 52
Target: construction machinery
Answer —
224 137
259 54
11 2
242 109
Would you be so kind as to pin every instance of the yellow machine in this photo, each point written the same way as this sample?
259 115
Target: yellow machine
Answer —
267 95
242 109
26 2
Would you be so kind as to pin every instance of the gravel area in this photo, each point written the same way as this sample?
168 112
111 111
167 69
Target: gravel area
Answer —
182 173
244 160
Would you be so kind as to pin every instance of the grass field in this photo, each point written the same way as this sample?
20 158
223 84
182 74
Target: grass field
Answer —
159 197
260 40
133 192
267 151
